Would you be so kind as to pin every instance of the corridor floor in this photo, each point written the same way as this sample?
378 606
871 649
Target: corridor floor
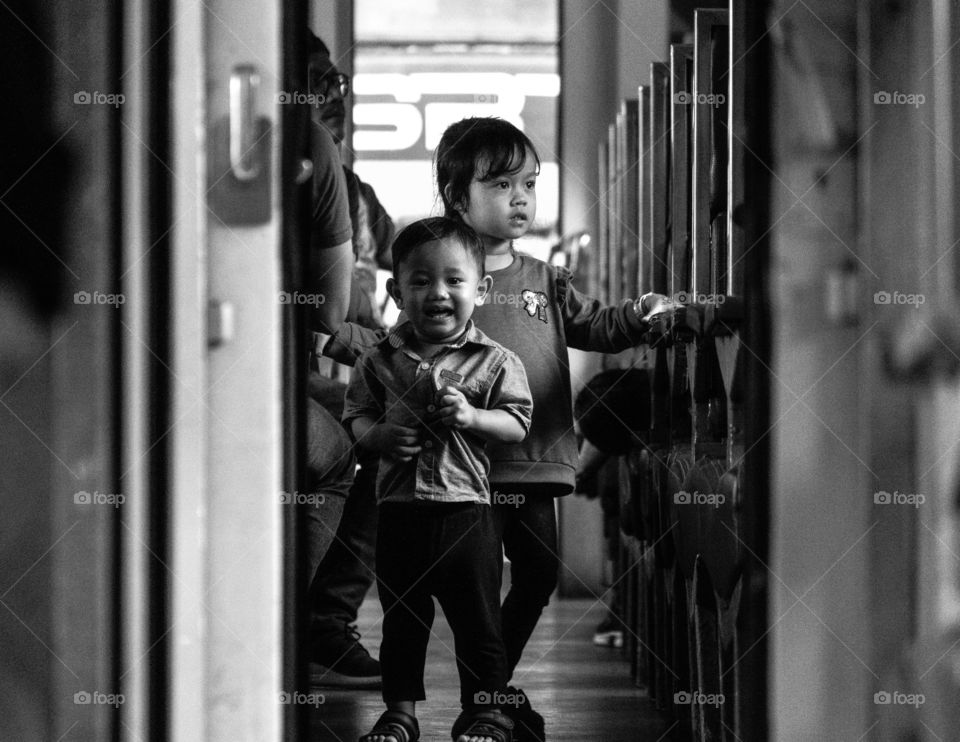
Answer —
584 692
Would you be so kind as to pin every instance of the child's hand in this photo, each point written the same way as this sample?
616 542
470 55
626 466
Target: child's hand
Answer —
394 440
455 411
655 304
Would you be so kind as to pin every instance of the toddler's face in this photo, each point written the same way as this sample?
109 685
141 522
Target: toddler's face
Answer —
503 208
438 286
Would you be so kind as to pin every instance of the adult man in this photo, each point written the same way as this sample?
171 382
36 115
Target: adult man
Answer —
347 571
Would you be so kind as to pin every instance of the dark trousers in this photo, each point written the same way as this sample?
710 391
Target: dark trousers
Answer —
330 471
450 552
346 571
529 534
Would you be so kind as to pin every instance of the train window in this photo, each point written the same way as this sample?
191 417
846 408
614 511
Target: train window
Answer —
420 66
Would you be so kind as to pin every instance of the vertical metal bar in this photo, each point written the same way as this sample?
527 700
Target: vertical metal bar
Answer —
629 183
610 288
602 222
704 105
681 89
644 157
732 280
659 192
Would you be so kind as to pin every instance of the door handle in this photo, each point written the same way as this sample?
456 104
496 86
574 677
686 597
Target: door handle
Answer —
244 154
239 160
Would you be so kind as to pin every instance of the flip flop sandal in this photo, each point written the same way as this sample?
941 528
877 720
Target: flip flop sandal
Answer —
478 723
397 724
528 725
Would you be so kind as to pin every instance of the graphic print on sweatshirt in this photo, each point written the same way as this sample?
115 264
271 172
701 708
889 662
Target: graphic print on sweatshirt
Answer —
534 303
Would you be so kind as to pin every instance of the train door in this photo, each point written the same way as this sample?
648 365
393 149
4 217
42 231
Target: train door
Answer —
223 597
148 400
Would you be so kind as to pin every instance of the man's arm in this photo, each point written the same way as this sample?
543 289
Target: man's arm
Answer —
332 269
331 246
350 341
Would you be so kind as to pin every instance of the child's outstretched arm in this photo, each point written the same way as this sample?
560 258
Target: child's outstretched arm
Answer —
589 325
492 425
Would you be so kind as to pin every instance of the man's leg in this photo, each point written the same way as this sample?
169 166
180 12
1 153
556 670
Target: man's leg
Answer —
345 575
348 571
330 473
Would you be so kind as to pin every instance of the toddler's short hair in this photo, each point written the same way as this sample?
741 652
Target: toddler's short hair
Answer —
430 230
489 142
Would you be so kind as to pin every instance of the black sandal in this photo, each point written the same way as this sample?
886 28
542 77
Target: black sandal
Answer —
528 725
397 724
483 723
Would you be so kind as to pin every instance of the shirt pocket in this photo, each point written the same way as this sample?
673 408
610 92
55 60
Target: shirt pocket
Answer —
470 388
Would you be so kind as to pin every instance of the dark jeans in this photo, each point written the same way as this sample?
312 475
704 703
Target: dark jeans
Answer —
529 535
330 471
450 552
347 571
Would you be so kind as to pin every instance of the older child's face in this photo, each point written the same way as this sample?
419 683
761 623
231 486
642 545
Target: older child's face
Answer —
438 286
502 209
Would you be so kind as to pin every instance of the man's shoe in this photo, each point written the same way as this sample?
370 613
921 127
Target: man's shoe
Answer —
609 633
339 660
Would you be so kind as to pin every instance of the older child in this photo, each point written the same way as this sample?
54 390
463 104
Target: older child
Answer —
486 177
427 398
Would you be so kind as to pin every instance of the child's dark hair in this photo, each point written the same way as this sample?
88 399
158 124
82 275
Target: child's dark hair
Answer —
430 230
484 148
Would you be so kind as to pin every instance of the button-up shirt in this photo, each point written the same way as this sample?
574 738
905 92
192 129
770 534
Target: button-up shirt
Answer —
393 384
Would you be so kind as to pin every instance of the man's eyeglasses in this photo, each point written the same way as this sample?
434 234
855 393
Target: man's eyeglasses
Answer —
328 83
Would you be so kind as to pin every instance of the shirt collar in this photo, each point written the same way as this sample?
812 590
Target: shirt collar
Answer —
400 336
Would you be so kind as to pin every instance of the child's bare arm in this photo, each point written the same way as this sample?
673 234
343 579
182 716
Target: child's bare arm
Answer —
492 425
